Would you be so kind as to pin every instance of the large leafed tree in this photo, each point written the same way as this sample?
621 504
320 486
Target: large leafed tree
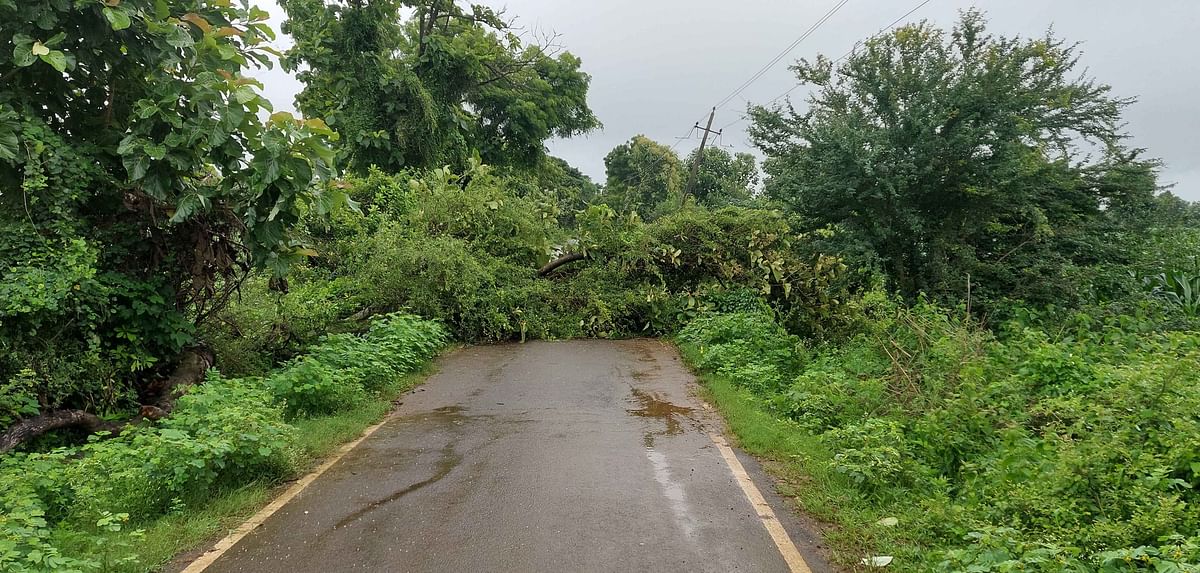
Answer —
427 83
142 175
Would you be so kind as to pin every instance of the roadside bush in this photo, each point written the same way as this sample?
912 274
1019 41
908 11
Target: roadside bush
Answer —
26 544
308 388
1038 449
751 348
223 433
873 453
394 345
403 342
341 371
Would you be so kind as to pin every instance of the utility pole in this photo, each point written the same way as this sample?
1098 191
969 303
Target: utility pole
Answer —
699 155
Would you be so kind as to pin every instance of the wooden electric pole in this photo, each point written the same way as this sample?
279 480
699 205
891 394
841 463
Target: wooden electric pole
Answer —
699 156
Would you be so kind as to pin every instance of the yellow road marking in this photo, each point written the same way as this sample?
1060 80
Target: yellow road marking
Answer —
779 535
210 556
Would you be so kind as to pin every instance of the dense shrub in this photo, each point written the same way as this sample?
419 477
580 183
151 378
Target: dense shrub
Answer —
223 433
341 371
309 388
1036 449
751 348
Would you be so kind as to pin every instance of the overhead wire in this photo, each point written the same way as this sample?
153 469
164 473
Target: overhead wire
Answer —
781 55
850 52
840 59
758 74
767 67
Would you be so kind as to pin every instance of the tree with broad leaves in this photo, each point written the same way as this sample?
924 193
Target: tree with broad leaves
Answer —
434 89
142 176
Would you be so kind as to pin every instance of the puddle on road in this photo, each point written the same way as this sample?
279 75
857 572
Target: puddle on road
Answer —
651 406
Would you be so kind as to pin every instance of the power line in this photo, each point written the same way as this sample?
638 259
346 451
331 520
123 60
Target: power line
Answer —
734 122
767 67
763 70
882 30
856 45
843 57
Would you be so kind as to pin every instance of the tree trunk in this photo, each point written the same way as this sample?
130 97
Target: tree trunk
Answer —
160 399
31 428
568 258
190 369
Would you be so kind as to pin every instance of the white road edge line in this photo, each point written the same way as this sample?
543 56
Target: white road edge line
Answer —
795 561
209 557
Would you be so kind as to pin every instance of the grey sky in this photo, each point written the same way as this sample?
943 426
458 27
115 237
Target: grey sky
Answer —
657 66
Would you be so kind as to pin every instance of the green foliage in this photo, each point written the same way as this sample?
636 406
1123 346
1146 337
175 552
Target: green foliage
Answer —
1069 448
466 248
223 433
25 538
310 388
1179 289
18 397
338 373
723 178
873 453
449 83
148 199
749 347
642 176
951 156
566 189
141 175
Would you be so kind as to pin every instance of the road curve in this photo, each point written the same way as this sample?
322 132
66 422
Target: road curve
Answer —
543 457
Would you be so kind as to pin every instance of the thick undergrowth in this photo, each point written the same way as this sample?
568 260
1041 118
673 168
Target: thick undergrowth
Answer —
65 509
954 448
967 339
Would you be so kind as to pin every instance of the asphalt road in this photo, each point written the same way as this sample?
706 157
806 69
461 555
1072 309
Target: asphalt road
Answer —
542 457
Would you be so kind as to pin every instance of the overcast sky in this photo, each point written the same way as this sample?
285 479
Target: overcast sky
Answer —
658 66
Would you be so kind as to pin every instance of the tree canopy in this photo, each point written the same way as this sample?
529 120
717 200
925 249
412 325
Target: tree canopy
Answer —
647 177
140 179
434 88
723 178
956 153
642 174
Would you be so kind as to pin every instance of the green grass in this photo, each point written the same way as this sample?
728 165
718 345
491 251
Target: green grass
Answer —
803 469
197 526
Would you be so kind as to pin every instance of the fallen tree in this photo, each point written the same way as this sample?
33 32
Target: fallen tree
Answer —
560 261
159 398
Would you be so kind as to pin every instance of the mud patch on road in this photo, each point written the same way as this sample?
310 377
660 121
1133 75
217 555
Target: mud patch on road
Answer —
653 407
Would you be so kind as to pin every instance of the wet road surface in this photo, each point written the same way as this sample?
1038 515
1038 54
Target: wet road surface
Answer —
542 457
